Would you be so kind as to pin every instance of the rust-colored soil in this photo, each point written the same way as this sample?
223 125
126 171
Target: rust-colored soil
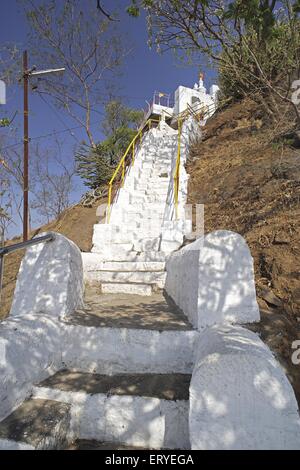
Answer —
251 185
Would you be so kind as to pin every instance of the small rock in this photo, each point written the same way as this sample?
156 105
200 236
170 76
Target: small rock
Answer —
270 297
281 239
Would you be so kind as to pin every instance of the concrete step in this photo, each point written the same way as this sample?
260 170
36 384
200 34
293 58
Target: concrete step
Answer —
128 277
124 333
131 266
91 260
156 191
147 234
161 199
147 244
92 444
141 217
38 424
159 179
112 249
147 165
123 288
148 410
142 207
122 310
131 212
153 197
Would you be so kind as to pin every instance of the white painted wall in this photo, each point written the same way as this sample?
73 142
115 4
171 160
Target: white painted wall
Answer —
120 350
212 280
240 398
49 279
30 349
49 287
35 341
34 346
194 97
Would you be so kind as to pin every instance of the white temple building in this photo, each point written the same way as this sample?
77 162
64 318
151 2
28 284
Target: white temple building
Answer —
164 104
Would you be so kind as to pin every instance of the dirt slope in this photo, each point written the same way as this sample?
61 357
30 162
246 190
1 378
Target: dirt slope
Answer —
251 185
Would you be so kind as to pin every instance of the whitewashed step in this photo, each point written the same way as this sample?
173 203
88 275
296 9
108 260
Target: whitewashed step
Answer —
142 277
139 219
147 410
148 199
142 207
158 191
154 266
147 165
134 215
150 244
91 260
112 249
123 288
131 235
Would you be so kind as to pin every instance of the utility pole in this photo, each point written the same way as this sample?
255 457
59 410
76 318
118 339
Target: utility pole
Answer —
26 76
26 145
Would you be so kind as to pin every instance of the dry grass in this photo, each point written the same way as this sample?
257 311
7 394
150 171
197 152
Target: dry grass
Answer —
250 184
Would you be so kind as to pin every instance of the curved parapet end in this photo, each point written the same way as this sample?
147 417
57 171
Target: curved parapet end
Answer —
50 279
240 398
212 280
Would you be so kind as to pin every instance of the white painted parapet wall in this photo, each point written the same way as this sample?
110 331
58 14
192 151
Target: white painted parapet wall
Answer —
33 339
49 279
36 340
212 280
240 398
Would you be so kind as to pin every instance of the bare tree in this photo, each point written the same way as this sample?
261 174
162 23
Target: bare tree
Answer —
254 44
104 12
52 182
69 34
6 206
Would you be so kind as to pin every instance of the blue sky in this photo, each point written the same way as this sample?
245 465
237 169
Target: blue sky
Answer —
144 72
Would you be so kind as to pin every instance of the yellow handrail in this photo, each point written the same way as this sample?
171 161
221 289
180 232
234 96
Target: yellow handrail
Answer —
177 168
197 112
122 163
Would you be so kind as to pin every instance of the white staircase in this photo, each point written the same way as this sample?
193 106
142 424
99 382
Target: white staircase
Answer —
127 255
123 374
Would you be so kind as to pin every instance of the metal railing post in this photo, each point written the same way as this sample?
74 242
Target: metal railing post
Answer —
1 274
177 169
123 172
109 201
133 150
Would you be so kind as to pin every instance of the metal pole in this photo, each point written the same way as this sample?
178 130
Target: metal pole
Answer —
26 149
1 274
109 203
133 152
123 172
1 260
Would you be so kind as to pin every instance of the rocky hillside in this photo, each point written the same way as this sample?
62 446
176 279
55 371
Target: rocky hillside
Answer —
248 177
